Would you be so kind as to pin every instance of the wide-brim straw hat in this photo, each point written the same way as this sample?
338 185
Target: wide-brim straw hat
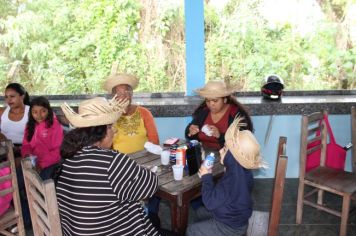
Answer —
216 89
95 111
244 146
114 80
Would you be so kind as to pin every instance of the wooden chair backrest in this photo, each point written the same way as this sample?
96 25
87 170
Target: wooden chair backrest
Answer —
13 216
311 124
353 138
42 202
278 187
266 223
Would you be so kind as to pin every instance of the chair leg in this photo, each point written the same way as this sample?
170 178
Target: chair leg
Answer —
344 215
300 202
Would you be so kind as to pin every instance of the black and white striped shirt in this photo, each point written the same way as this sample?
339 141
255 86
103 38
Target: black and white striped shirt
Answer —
99 191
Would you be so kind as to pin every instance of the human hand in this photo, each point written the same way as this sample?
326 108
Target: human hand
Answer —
203 170
193 130
214 131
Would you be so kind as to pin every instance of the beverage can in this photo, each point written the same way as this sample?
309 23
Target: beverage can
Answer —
209 161
172 155
180 156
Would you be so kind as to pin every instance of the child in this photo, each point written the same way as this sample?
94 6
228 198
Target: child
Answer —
43 136
228 204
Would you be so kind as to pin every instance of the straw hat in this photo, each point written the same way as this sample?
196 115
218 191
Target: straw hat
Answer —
94 112
216 89
114 80
244 146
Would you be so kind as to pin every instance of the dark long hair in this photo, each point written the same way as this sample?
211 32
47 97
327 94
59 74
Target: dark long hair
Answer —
78 138
20 90
242 110
31 124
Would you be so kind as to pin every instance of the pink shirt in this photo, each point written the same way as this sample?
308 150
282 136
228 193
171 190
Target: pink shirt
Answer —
45 143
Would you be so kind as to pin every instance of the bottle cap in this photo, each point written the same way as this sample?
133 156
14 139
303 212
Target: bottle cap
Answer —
212 154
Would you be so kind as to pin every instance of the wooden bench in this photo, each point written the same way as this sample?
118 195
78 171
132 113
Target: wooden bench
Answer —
266 223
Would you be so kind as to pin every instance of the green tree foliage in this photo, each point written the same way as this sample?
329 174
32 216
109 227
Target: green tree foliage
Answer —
68 47
242 48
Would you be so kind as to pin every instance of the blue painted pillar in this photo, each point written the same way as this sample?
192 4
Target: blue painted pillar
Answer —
194 46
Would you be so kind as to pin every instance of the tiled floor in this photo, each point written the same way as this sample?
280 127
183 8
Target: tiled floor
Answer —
314 222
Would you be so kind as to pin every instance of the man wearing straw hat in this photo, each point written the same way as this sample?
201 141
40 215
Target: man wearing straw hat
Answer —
98 189
136 126
228 204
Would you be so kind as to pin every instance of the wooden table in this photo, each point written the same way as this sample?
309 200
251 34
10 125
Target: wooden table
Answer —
178 193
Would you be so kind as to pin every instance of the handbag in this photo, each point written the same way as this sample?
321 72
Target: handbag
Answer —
6 199
335 154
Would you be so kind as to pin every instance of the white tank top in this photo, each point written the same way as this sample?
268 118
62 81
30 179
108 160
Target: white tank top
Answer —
14 130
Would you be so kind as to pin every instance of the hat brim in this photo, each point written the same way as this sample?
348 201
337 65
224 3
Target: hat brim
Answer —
214 93
87 121
248 160
118 79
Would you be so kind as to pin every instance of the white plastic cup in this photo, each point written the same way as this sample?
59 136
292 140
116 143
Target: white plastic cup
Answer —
178 172
165 157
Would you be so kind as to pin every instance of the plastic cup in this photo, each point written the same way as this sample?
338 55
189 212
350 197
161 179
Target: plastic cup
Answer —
165 157
178 172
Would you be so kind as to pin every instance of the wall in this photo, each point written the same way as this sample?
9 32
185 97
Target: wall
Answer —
282 125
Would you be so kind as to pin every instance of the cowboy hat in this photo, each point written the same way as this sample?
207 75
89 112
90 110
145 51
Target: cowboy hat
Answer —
216 89
243 146
114 80
95 111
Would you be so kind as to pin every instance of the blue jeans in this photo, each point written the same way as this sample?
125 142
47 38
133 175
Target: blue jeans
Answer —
207 226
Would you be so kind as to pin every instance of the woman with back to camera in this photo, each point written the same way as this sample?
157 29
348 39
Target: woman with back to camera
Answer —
214 115
99 189
14 116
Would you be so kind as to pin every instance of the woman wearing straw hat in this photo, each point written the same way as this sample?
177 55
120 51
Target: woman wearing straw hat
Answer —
98 189
228 204
136 126
212 118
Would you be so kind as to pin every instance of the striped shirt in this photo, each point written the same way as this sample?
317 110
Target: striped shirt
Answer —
99 193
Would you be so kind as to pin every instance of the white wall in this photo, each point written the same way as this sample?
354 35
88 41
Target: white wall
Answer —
282 125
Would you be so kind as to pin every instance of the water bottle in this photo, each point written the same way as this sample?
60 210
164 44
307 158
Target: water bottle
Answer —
209 161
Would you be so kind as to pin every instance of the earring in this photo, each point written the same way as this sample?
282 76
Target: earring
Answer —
225 100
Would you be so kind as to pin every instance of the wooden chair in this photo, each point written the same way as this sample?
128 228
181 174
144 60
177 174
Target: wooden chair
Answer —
322 178
42 201
353 138
266 223
13 216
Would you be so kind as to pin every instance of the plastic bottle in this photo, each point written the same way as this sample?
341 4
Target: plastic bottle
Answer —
209 161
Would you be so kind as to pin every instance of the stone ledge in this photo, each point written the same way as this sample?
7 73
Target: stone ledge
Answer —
178 105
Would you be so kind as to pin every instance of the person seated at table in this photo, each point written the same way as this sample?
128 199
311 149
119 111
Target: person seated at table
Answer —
43 136
14 116
99 189
228 203
215 114
136 126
